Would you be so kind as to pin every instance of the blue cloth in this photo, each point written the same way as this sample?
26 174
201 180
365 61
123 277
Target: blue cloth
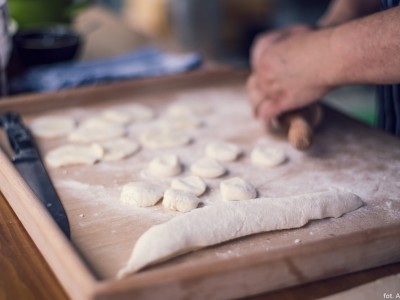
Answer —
139 64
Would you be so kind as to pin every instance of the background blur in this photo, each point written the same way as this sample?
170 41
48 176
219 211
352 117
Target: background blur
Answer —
222 31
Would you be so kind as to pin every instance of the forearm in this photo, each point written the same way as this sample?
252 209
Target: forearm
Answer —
366 51
341 11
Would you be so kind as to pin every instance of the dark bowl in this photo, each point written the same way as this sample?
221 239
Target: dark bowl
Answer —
46 45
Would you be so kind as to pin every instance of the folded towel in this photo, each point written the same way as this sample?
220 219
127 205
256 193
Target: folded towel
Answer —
139 64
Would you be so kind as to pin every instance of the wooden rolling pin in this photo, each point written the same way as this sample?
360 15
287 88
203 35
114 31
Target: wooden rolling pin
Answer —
300 125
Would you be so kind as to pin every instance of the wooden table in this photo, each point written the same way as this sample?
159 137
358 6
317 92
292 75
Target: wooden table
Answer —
25 274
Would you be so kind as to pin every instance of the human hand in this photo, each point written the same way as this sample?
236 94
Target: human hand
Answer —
291 68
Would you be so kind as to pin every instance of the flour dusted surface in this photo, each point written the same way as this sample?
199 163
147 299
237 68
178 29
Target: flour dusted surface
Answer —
335 161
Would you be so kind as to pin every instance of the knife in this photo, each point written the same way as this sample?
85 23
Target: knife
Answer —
27 161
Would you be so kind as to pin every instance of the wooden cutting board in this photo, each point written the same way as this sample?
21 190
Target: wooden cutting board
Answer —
346 155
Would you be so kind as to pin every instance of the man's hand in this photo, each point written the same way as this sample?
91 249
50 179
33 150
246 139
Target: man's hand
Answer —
291 69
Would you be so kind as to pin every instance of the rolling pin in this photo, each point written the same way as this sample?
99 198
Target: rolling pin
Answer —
300 125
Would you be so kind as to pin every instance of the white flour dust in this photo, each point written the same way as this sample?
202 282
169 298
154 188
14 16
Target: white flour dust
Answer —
335 161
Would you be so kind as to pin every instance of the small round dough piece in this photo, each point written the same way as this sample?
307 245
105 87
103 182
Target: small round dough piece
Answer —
74 155
129 113
181 122
267 156
208 168
192 184
141 194
223 151
161 138
188 108
165 166
49 127
237 188
119 149
96 129
180 200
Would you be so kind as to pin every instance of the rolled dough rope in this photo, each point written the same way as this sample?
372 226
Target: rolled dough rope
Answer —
225 221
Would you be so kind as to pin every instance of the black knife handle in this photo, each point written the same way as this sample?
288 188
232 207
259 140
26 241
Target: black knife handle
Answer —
19 137
28 163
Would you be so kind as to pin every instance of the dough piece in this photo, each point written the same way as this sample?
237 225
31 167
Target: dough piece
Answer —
180 200
223 151
74 155
192 184
119 149
141 194
371 291
116 116
208 168
52 126
266 156
184 108
96 129
181 122
237 189
225 221
161 138
165 166
129 113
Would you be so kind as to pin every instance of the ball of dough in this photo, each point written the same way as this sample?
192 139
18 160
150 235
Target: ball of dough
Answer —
179 109
141 194
184 108
180 200
161 138
237 189
129 113
183 122
165 166
208 168
223 151
119 117
192 184
119 149
74 155
266 156
97 129
52 126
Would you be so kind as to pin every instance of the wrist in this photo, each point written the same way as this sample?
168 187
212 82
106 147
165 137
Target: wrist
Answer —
328 70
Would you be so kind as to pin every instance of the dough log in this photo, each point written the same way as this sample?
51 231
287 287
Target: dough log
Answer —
226 221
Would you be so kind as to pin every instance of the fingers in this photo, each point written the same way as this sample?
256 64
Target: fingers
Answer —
266 40
261 44
263 105
269 109
255 94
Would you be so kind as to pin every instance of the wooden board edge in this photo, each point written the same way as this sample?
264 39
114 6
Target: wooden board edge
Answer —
239 278
34 103
56 249
143 286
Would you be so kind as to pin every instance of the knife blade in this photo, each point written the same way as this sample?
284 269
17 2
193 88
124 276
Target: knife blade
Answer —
28 162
